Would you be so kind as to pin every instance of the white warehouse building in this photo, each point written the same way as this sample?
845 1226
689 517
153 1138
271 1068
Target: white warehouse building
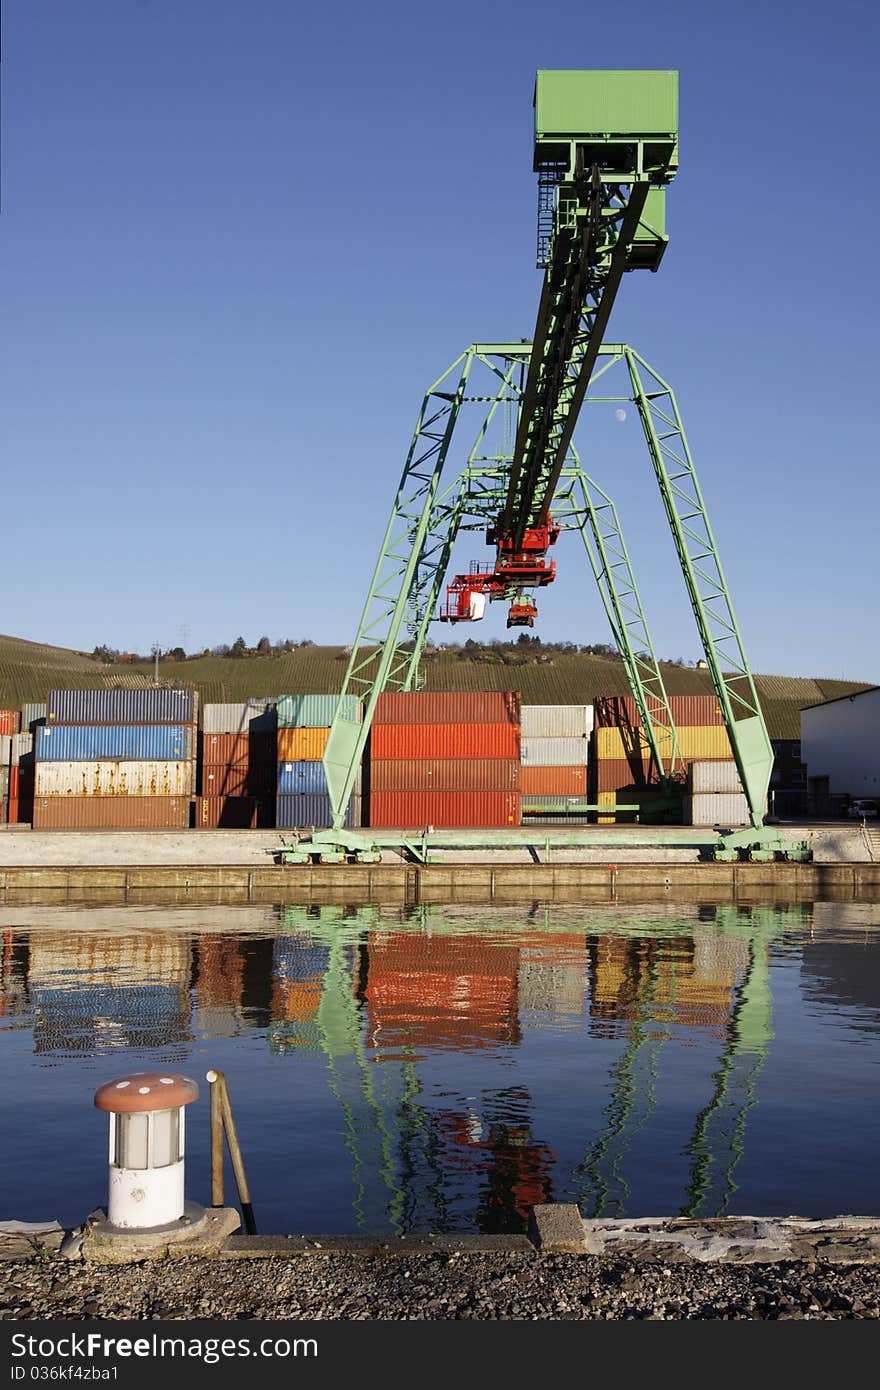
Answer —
840 744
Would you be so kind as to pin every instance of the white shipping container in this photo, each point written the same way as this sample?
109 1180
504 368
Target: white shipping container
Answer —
22 747
6 749
554 752
107 778
556 721
714 776
725 809
244 717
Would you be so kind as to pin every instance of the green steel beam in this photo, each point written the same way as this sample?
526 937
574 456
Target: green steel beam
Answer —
704 580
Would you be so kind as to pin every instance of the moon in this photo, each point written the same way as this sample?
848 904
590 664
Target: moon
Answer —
620 414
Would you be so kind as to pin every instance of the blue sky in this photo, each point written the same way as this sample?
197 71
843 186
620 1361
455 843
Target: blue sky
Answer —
239 239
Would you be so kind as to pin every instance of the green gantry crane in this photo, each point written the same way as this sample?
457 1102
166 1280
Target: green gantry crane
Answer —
606 149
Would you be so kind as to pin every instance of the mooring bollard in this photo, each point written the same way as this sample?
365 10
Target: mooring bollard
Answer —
145 1186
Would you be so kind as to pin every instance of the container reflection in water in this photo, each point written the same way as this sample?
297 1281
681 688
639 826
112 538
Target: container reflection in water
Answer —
443 1068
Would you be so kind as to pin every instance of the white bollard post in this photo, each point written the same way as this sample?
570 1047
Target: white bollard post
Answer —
145 1187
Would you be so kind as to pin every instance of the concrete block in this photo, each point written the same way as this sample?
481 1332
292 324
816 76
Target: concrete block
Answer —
558 1226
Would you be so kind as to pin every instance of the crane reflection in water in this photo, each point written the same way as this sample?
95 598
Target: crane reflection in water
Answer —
450 1066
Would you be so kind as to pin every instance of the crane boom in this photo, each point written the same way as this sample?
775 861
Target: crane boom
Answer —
605 146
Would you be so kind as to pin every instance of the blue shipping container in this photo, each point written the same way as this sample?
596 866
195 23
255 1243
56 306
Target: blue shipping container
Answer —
307 810
314 711
68 743
301 777
149 705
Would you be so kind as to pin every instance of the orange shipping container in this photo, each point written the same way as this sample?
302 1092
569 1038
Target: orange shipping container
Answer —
445 741
621 711
301 745
448 707
459 810
444 775
9 721
553 781
111 813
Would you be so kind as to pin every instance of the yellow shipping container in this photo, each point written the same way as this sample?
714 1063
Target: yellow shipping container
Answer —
301 745
606 798
694 742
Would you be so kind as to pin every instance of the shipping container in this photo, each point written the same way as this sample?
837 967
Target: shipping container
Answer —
718 775
111 813
692 711
554 752
444 775
4 783
415 810
221 780
445 741
148 705
301 745
306 778
67 743
556 721
555 805
614 773
694 742
303 811
553 781
9 721
236 750
31 715
314 711
226 812
725 809
106 779
6 741
22 749
253 716
447 707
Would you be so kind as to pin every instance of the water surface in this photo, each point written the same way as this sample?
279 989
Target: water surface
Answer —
434 1068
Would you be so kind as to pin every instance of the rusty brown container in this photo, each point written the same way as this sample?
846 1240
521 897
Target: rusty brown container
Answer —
554 781
614 773
445 775
9 721
458 810
620 711
226 812
448 707
221 780
426 741
239 749
111 813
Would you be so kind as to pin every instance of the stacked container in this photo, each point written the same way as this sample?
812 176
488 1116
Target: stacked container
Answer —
302 798
715 795
621 769
554 752
445 759
238 759
21 779
116 759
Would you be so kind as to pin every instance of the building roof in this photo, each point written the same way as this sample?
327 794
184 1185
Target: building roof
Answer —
870 690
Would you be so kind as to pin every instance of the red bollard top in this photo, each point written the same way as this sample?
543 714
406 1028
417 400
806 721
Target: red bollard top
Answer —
146 1090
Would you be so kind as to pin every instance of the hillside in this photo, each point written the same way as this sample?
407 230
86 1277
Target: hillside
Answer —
28 670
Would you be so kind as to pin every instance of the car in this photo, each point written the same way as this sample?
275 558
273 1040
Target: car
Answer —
862 809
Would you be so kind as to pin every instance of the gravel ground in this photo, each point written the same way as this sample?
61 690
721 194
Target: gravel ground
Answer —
437 1286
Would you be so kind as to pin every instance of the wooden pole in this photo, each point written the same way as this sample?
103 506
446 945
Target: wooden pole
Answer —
215 1080
244 1195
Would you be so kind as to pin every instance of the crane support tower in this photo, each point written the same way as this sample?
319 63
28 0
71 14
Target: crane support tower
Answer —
606 150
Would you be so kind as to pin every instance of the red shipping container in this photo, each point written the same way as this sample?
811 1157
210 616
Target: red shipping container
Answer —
444 775
111 813
688 711
14 774
220 780
237 750
459 810
554 781
226 812
13 811
421 741
448 707
9 721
